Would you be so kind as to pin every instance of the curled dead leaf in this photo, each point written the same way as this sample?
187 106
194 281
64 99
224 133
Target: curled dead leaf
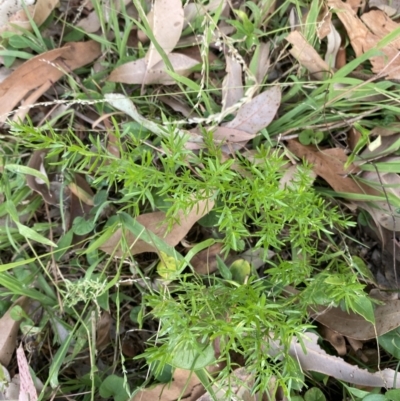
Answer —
156 223
307 56
41 72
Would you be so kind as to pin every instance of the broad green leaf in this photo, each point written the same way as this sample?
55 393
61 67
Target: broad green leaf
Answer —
114 386
16 168
390 342
314 394
192 357
363 306
33 235
393 395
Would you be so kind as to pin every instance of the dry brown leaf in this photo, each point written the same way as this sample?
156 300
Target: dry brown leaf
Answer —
257 114
205 262
387 318
317 360
103 327
185 385
353 136
232 85
307 56
366 37
334 42
44 69
356 4
167 24
27 387
177 105
37 162
337 340
135 72
290 173
9 331
328 164
324 22
155 222
355 344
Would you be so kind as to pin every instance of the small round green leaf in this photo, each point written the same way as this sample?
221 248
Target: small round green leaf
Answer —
314 394
81 226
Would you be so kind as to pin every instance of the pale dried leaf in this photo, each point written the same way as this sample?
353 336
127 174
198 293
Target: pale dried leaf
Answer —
232 85
383 213
307 56
177 105
27 388
324 26
390 8
167 27
257 114
7 8
191 11
387 318
334 42
91 23
136 72
39 12
156 223
263 61
12 390
44 69
205 262
9 331
185 384
317 360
